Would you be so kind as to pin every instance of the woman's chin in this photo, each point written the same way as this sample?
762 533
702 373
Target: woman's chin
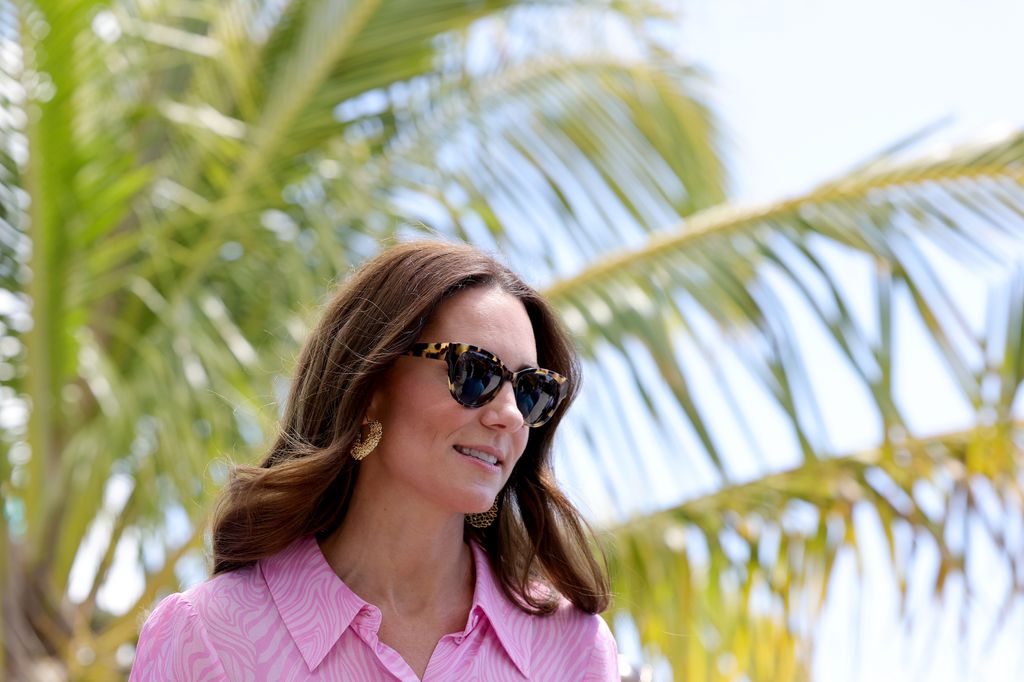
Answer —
479 504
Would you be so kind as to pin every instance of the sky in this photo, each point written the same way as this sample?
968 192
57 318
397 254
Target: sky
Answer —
806 90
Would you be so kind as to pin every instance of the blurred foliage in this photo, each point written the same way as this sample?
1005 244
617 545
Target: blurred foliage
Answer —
183 181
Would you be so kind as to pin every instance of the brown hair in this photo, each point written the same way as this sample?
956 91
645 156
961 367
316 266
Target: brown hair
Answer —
306 481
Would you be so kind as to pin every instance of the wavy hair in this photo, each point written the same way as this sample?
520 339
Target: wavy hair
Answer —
305 482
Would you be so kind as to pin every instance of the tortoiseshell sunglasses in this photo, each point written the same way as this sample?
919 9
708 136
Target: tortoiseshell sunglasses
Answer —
475 376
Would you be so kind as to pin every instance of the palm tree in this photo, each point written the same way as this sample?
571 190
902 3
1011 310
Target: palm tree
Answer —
725 581
182 182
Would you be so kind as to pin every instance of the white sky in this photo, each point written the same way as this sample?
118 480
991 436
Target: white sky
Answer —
809 88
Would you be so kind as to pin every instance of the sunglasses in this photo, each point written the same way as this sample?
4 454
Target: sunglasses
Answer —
475 376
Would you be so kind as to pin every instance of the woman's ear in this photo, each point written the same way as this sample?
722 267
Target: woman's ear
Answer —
377 402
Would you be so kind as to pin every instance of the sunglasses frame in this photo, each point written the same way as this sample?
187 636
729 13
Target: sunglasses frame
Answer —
449 351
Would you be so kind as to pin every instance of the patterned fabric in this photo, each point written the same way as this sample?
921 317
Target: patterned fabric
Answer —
289 617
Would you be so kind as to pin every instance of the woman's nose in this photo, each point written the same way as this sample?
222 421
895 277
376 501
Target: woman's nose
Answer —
503 412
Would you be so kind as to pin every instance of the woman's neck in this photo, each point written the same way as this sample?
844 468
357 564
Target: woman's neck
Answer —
404 560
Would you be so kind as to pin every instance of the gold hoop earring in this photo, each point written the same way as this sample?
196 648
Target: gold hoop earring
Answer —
484 519
361 448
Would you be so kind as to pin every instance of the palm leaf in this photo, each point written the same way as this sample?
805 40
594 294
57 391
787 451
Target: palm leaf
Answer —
732 279
749 284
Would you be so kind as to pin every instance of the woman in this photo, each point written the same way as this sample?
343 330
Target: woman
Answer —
406 524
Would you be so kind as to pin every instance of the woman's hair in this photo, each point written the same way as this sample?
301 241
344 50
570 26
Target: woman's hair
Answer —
306 481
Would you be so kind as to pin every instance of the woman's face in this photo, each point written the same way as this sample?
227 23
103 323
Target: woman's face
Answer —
427 433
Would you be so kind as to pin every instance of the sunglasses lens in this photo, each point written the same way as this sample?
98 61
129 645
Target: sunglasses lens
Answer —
475 378
537 396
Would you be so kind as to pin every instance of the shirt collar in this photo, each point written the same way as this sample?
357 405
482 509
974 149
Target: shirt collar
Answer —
315 605
510 623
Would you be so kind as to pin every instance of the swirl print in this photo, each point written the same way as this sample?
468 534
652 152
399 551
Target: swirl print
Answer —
290 618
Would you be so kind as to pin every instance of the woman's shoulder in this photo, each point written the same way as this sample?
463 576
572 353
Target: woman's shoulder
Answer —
238 585
174 644
181 636
561 643
202 606
569 639
566 622
566 619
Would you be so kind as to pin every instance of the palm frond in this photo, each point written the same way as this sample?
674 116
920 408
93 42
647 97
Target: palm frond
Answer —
733 291
560 145
758 557
739 289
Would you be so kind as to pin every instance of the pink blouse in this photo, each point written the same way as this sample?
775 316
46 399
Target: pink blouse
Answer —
289 617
